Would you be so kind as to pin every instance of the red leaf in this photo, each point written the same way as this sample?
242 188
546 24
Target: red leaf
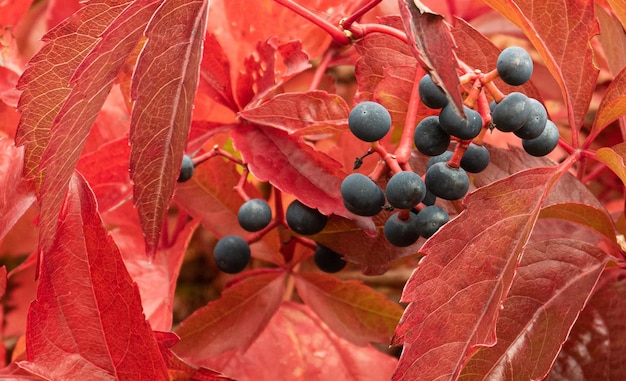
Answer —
551 286
456 274
215 73
47 80
311 176
596 344
88 312
312 112
563 43
614 158
11 12
308 350
432 44
352 310
232 322
164 86
106 171
620 10
612 107
612 39
16 196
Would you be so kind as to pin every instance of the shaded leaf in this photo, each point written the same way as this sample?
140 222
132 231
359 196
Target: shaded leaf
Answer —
308 351
613 105
468 266
613 39
596 344
620 10
352 310
563 43
289 164
552 284
232 322
87 320
303 113
164 86
16 196
614 158
215 73
432 44
586 215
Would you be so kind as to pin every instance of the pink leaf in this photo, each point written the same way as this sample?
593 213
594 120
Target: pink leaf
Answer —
87 321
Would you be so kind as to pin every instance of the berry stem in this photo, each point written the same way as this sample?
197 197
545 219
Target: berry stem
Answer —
240 184
362 9
459 151
390 160
360 30
403 151
497 95
338 35
489 77
477 88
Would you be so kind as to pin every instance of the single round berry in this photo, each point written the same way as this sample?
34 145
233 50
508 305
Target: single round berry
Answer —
475 159
361 195
444 157
405 190
430 219
232 254
399 232
514 65
369 121
464 129
430 94
512 112
544 143
254 215
429 199
304 220
186 169
328 260
446 182
536 122
430 139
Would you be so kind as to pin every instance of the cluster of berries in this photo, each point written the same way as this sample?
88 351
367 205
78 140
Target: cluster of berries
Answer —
414 195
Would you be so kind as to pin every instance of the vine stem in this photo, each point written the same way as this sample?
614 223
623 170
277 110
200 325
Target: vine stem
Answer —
338 35
360 30
366 6
321 68
403 151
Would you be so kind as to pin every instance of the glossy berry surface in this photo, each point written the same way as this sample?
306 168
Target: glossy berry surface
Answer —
328 260
430 219
254 215
514 66
512 112
361 195
186 169
369 121
544 143
231 254
446 182
401 233
464 129
429 138
430 94
475 159
303 219
535 122
405 190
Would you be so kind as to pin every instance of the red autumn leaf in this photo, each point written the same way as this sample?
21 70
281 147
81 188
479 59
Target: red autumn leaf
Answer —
164 86
620 10
106 171
468 266
432 44
215 73
313 112
91 316
564 45
308 350
613 39
46 81
289 164
16 196
21 291
377 52
352 310
11 12
615 158
232 322
596 344
551 286
612 107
